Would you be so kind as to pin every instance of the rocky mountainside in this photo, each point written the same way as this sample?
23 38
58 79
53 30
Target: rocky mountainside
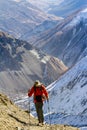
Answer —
14 118
22 19
67 40
21 65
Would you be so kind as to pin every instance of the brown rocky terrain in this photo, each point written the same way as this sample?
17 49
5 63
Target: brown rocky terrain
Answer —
14 118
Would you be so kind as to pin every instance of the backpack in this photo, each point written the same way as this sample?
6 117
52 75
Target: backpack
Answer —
39 98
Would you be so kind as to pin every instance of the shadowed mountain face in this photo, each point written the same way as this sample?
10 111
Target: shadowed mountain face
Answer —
21 65
67 40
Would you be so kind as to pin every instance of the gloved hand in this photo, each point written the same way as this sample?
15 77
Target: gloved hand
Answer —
47 99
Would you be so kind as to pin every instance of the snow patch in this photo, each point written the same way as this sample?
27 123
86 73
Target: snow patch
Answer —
83 128
44 58
17 0
81 16
84 11
34 52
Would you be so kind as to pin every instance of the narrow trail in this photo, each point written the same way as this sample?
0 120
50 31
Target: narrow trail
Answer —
47 127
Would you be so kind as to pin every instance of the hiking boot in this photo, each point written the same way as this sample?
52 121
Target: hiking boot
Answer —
43 123
40 124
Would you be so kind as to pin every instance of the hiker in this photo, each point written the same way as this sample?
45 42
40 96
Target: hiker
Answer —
40 94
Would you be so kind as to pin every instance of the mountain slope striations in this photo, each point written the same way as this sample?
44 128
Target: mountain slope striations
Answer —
64 40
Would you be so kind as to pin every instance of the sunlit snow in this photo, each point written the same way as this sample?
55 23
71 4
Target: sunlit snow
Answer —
80 16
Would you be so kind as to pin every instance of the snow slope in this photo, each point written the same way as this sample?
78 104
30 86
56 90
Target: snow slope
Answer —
81 16
68 96
71 90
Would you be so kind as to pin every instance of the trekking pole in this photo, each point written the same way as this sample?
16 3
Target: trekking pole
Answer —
49 112
29 111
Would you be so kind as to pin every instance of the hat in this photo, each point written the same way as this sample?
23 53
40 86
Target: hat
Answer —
37 83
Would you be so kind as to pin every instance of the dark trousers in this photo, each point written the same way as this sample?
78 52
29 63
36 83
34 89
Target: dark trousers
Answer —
39 110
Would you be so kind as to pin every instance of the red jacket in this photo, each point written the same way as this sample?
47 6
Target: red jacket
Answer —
38 91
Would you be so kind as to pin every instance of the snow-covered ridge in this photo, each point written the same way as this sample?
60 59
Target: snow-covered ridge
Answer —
84 11
81 16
